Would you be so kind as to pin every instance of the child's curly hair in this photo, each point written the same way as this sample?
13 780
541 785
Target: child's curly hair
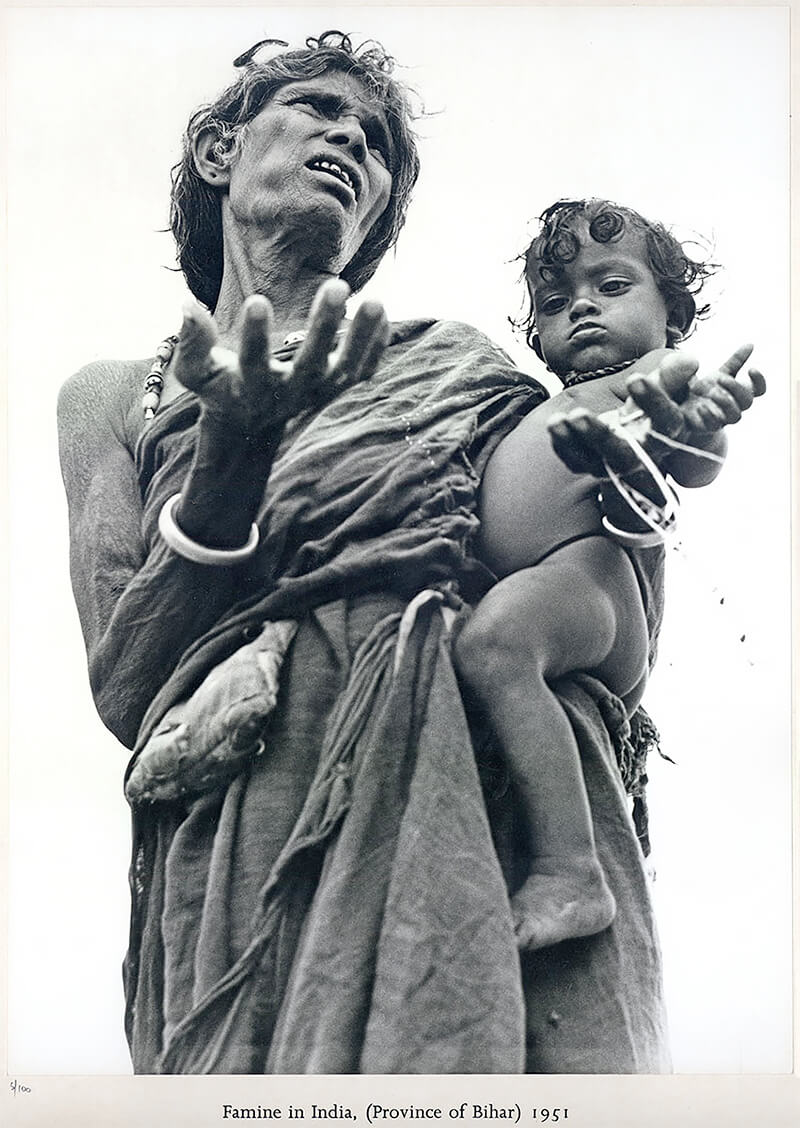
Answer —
679 278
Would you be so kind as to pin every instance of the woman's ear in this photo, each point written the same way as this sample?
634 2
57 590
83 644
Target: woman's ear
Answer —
212 157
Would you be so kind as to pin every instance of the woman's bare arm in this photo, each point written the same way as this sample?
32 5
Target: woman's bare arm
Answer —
139 606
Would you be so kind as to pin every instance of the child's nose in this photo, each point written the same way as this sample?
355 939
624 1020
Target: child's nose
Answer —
582 305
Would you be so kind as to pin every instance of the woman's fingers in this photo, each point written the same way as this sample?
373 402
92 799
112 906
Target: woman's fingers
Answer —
363 346
327 313
198 336
375 348
317 374
254 356
231 386
255 389
219 391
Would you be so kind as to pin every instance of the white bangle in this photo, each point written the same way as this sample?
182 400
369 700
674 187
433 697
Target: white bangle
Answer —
178 541
632 540
661 519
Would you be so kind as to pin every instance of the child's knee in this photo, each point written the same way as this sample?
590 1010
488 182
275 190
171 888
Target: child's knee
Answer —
488 650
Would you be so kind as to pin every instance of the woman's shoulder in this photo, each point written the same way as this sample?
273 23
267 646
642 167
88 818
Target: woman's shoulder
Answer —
461 347
437 330
105 380
103 395
455 337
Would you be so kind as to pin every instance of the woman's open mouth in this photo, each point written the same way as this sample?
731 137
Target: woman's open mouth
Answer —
337 173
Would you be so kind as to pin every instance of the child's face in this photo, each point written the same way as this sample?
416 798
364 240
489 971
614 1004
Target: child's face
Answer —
600 309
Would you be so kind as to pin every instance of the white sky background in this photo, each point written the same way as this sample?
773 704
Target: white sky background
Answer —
681 113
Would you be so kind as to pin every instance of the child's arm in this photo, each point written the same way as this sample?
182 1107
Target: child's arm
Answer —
696 412
686 408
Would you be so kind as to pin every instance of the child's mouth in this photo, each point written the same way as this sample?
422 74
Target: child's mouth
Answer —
586 332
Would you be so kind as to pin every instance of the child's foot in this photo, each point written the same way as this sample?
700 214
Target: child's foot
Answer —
551 907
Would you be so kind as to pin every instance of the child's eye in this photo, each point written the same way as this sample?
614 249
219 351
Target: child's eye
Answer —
614 286
553 305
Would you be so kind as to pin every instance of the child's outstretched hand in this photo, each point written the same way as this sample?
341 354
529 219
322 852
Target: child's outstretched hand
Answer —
688 407
678 403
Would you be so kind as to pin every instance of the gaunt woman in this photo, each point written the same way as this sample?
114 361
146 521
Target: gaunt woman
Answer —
273 528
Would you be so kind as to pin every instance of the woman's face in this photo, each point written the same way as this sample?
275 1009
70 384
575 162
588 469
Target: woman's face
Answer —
315 161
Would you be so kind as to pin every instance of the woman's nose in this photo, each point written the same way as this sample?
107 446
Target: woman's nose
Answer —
348 134
582 305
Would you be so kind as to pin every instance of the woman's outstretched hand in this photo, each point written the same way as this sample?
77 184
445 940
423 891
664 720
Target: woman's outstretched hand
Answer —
247 396
249 393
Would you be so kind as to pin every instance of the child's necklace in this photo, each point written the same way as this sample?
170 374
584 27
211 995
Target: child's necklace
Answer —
573 378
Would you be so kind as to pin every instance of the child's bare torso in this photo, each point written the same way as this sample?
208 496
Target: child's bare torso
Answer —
567 502
563 505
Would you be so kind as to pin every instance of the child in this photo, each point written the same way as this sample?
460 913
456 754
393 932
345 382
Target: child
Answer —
611 294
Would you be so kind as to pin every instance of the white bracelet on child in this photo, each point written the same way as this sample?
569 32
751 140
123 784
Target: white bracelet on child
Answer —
178 541
632 428
626 537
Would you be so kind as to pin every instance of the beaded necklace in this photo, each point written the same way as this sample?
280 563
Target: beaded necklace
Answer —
573 378
154 381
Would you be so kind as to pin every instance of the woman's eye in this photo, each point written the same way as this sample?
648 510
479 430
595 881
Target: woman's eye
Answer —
378 150
308 102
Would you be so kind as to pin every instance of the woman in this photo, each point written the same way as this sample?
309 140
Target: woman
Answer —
269 569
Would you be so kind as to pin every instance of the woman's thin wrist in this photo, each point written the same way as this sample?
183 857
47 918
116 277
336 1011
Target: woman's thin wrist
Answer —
189 549
223 492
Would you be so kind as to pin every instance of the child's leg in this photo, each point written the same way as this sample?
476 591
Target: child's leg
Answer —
580 609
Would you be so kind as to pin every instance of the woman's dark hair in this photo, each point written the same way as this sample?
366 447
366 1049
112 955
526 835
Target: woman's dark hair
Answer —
679 278
195 213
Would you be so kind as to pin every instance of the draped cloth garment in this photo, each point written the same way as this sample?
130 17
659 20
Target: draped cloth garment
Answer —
341 904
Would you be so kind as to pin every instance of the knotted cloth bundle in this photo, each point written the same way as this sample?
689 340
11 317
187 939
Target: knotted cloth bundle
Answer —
205 740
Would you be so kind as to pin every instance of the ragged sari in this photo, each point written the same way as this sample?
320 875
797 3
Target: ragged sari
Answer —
341 904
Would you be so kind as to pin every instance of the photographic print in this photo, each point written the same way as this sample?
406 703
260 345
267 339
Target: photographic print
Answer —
342 708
